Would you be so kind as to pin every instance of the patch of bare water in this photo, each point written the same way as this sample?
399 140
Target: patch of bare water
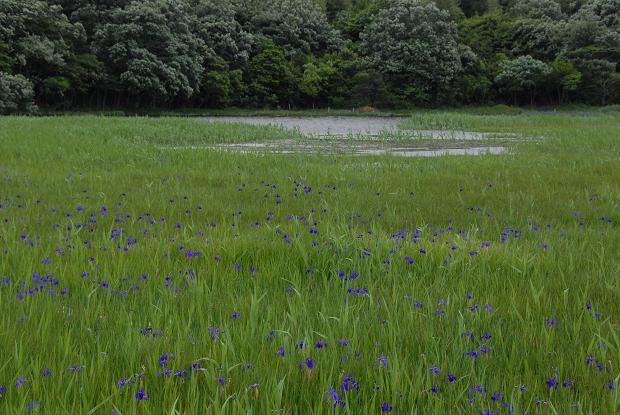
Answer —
322 126
354 127
364 136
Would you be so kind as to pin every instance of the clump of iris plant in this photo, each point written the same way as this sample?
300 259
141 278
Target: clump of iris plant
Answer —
141 395
21 379
349 383
333 399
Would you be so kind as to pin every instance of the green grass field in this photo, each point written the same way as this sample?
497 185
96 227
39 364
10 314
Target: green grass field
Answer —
136 279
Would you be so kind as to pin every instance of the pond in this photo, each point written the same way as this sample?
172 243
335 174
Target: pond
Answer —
355 126
362 135
358 148
324 126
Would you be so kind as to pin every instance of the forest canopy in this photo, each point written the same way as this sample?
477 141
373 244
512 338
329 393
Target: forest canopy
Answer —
114 54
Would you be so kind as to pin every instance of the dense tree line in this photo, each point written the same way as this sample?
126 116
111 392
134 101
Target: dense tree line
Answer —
101 54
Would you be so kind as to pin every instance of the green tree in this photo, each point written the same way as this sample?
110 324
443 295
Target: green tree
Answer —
369 90
597 77
569 7
522 76
474 7
223 35
16 94
613 86
228 48
316 79
564 77
475 83
297 26
219 53
271 77
605 11
538 9
334 7
538 38
415 48
353 21
36 41
487 35
151 52
221 86
327 80
5 60
453 7
586 29
91 14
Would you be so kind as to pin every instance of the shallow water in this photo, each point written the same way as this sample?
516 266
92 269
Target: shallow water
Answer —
352 148
323 126
468 151
341 127
363 136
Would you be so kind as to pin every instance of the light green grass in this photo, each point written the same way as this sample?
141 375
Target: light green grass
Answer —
51 166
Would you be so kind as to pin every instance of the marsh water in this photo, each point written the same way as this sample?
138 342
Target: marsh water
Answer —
370 135
324 126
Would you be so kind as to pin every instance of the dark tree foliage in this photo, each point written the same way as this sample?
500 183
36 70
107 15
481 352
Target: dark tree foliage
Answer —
474 7
415 48
488 36
141 54
271 78
37 41
370 90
